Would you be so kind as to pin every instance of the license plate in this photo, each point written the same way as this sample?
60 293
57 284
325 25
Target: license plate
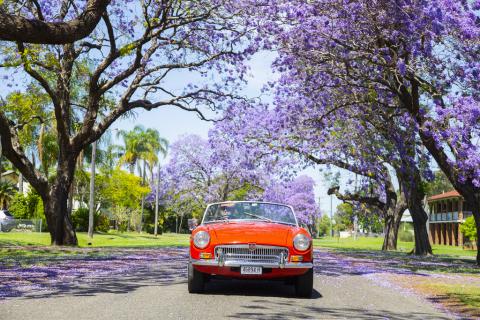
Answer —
250 270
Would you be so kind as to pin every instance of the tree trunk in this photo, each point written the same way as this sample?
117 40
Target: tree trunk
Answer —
410 180
391 233
20 183
56 212
70 201
419 217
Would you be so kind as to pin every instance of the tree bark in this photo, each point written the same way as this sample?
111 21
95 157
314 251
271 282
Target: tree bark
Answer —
56 212
410 181
20 183
419 217
392 224
17 28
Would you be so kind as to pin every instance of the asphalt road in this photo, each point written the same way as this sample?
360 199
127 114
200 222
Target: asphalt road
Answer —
160 292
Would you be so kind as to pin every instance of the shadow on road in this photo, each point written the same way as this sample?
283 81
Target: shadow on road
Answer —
253 288
290 310
86 276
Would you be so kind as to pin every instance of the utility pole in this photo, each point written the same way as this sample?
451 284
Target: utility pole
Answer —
143 197
92 191
331 215
156 201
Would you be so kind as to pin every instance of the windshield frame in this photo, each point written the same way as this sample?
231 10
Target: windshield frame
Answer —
261 220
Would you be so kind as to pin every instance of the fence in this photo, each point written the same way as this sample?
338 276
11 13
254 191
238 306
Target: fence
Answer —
22 225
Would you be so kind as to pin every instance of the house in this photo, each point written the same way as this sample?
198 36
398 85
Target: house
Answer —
14 178
446 212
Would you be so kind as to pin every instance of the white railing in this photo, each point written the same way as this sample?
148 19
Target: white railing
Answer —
32 225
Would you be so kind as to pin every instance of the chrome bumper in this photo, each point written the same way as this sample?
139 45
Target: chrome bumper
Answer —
215 263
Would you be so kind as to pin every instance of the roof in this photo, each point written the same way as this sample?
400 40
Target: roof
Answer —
445 195
8 172
406 216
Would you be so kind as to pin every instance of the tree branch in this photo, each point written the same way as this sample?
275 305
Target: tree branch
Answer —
17 28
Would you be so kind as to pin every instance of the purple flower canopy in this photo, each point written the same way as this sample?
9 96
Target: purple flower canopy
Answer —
299 193
200 172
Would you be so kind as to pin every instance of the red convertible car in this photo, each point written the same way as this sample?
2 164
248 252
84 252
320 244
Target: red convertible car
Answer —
251 240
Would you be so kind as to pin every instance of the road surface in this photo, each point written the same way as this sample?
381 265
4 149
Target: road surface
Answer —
159 291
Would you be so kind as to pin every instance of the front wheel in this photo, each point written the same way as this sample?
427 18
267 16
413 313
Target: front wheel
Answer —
196 281
304 284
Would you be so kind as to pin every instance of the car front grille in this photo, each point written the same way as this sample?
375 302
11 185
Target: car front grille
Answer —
239 254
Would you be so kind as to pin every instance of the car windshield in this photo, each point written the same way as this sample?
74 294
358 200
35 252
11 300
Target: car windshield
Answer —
269 212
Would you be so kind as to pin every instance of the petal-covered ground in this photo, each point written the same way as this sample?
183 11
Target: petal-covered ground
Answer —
450 284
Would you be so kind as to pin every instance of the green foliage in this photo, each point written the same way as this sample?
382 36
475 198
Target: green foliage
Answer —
150 228
121 193
25 207
242 193
324 226
21 106
7 192
344 217
28 207
439 185
80 220
123 189
405 235
469 229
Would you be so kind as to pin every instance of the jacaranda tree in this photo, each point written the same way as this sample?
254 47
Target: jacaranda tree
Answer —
299 193
125 63
416 59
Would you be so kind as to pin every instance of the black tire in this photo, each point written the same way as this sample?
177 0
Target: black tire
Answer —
196 281
304 284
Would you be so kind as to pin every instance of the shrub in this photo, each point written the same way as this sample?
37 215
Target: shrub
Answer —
405 235
469 229
102 223
24 207
80 221
150 228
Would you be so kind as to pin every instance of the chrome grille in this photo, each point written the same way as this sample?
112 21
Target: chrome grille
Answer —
243 254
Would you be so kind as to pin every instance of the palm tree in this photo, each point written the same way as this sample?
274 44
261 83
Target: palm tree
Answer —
142 147
47 148
133 147
153 146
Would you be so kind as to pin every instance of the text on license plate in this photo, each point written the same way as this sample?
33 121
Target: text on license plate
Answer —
250 270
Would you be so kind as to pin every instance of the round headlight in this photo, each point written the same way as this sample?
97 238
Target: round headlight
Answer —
201 239
301 242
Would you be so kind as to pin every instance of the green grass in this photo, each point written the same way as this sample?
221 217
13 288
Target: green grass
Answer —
111 239
467 294
26 248
375 244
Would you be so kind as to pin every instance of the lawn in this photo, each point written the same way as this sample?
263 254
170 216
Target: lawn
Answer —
133 239
27 247
111 239
375 244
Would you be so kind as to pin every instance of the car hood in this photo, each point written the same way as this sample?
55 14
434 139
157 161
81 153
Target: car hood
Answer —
251 232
